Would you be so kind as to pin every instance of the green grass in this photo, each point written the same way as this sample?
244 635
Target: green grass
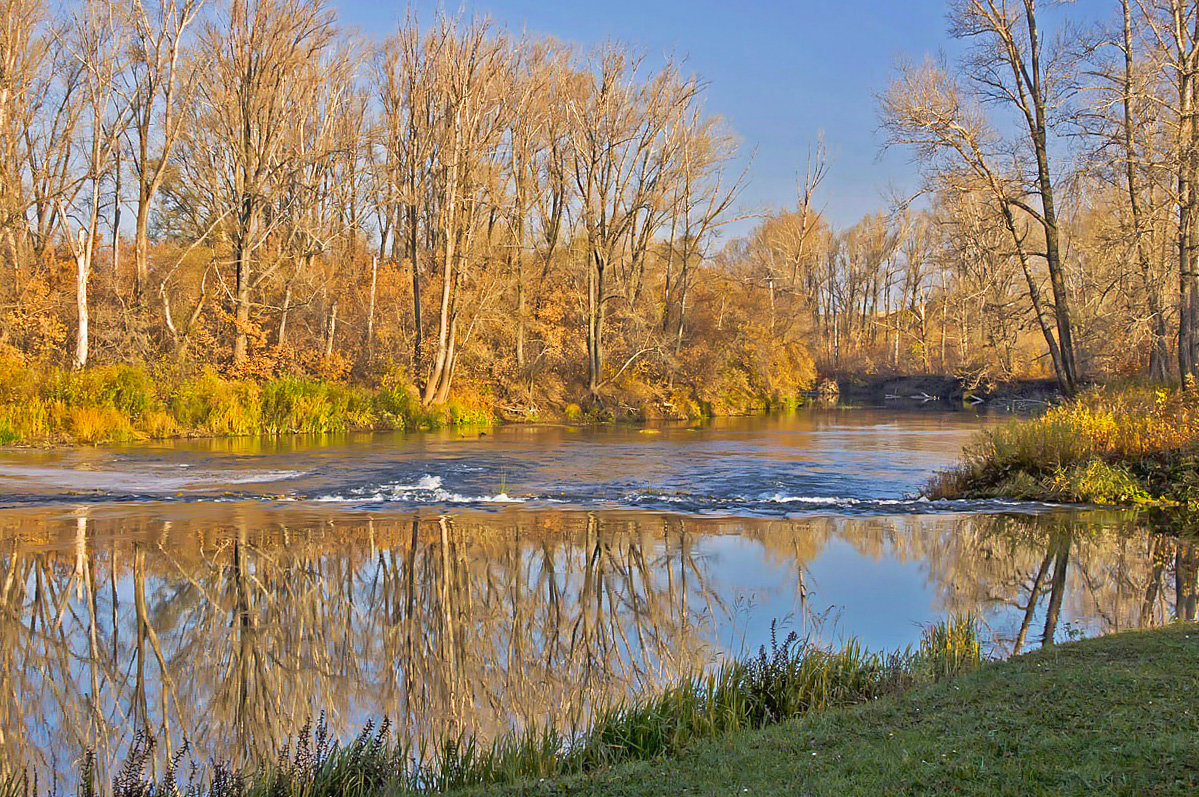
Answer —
42 404
1130 446
1112 715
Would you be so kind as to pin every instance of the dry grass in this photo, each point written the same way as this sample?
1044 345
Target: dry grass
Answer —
119 404
1108 446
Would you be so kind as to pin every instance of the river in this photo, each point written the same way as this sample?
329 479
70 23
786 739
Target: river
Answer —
223 592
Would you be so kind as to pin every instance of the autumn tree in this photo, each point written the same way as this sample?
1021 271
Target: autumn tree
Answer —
263 66
161 79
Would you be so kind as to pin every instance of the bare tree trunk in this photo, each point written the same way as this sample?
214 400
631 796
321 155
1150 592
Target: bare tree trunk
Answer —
1158 369
141 242
284 314
116 218
1067 375
332 330
241 296
440 360
370 315
447 374
520 309
83 269
1188 207
1034 293
595 322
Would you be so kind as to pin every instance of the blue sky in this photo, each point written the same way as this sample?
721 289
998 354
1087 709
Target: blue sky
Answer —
778 71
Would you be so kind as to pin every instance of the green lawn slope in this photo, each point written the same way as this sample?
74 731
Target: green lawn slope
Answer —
1114 715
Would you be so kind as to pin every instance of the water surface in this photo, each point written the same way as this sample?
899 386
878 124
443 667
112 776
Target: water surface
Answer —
221 592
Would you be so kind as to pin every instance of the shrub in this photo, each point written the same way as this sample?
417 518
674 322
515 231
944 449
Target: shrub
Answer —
293 404
159 425
120 403
1098 482
1107 446
395 406
217 406
91 425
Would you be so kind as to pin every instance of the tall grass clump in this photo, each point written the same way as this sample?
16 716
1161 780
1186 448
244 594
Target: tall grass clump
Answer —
107 404
294 404
1107 446
123 403
788 678
211 404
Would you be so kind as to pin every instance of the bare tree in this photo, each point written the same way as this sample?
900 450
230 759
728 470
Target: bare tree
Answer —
620 156
95 40
924 109
263 65
162 79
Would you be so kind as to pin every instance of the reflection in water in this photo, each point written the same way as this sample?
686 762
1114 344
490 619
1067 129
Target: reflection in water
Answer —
229 634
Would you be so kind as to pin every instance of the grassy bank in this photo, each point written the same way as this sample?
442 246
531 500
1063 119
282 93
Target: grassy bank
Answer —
1112 715
124 403
1127 446
787 680
111 404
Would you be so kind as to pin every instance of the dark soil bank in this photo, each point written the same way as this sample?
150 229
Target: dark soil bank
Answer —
945 389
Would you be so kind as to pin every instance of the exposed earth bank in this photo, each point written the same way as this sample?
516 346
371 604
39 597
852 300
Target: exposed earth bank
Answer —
927 388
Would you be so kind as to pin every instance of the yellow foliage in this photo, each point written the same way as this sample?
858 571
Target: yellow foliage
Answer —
158 425
93 425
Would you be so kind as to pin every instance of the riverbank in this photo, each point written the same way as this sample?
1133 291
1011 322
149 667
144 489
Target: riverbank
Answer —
1135 446
41 405
924 389
116 404
1111 715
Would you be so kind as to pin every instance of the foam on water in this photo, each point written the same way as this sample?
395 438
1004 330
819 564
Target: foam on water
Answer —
428 489
140 479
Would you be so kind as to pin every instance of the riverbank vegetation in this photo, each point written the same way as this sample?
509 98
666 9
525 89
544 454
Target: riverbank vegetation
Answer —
126 403
248 188
791 678
1110 715
1114 446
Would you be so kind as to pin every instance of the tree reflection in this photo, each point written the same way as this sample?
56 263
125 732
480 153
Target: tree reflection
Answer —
233 636
230 628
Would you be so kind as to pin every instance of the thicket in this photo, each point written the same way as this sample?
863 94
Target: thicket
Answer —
1125 445
790 678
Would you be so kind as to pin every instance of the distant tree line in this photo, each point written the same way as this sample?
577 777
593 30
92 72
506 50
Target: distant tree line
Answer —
247 186
446 199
